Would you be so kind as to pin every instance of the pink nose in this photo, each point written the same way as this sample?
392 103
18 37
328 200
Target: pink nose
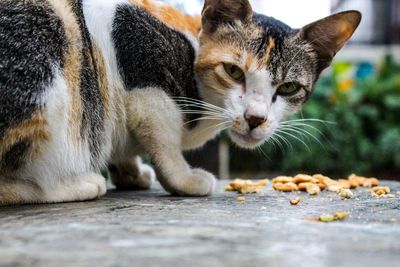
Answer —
254 121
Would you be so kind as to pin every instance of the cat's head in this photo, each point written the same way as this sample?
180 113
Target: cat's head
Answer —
258 69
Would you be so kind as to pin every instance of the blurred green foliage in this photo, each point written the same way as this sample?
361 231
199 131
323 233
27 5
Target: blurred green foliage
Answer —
363 103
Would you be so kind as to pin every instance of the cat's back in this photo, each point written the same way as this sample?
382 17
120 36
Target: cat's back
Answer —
153 48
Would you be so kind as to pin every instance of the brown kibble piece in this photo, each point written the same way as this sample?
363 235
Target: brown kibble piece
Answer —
321 178
229 188
322 186
285 187
303 186
371 182
344 183
263 182
246 186
250 189
345 193
295 201
304 178
313 189
282 179
334 187
385 189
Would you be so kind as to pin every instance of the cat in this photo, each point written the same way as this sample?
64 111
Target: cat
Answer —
92 84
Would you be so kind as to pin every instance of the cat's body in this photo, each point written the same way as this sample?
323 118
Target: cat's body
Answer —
88 84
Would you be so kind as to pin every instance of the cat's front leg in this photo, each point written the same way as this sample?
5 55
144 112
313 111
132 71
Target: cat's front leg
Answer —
132 174
156 123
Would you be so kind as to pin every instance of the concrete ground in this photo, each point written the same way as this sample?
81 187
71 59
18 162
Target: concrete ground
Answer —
153 229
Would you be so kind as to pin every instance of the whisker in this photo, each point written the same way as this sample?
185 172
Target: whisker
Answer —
303 124
262 151
277 141
198 102
304 132
310 120
295 137
204 118
287 143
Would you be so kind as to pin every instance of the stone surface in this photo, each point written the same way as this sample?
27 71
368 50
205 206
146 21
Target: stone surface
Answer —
150 228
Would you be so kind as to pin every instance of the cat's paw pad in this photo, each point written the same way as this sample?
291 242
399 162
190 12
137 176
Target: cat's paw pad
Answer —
198 183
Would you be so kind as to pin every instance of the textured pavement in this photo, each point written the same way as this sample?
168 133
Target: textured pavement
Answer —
150 228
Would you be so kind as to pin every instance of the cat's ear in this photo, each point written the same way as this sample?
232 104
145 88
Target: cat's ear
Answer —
218 12
328 35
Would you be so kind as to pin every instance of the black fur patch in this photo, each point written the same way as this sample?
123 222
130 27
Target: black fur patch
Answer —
151 54
14 157
93 107
32 41
278 31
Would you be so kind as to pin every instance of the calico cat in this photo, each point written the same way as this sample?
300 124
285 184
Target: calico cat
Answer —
90 84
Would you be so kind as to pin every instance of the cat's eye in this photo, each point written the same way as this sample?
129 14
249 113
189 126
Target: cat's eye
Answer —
234 71
288 89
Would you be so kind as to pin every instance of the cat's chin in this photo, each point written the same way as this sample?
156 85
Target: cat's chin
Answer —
245 140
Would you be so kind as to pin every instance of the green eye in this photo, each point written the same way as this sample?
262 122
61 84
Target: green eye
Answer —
234 71
288 89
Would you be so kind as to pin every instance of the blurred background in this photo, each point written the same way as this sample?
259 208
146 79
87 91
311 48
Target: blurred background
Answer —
357 101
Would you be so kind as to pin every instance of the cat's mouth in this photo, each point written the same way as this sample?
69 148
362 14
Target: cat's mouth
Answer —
245 140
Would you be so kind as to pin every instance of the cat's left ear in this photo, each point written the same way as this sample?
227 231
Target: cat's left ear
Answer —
328 35
218 12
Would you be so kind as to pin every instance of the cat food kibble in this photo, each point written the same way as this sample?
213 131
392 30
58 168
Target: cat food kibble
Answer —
316 183
313 189
379 191
338 216
345 193
246 186
295 201
240 199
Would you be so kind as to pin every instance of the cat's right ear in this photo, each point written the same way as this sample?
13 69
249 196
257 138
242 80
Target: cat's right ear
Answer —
218 12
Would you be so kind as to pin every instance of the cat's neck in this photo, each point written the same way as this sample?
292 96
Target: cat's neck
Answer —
172 17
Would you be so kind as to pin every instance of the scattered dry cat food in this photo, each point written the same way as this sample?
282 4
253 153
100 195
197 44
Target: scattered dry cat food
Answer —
295 201
246 186
318 182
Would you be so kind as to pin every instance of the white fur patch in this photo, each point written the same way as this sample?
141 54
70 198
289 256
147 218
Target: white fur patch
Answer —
61 158
99 16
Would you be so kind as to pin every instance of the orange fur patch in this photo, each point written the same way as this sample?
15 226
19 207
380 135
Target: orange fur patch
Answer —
73 63
34 130
172 17
265 59
103 81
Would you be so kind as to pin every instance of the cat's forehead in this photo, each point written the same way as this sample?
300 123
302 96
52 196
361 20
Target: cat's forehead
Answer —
258 38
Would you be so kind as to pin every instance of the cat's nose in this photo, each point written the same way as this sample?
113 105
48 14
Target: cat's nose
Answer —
254 121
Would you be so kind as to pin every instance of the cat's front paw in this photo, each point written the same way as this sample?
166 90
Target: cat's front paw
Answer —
198 183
